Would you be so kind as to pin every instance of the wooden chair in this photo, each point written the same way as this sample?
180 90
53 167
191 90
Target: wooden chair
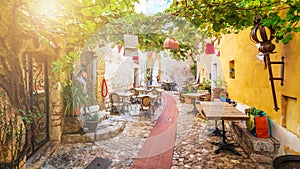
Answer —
145 107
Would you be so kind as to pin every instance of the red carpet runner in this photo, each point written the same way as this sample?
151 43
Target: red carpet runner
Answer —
157 151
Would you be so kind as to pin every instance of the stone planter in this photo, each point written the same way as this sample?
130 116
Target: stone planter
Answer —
216 92
92 125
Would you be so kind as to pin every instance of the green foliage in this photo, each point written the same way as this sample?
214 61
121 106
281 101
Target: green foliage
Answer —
76 23
206 85
256 112
190 89
193 70
152 31
74 97
220 83
224 16
12 135
65 64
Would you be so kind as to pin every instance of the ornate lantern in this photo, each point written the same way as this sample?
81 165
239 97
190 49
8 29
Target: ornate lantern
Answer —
264 38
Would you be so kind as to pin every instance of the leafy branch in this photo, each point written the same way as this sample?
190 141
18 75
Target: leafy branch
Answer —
221 16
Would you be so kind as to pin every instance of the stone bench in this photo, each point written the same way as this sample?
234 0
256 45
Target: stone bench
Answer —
261 150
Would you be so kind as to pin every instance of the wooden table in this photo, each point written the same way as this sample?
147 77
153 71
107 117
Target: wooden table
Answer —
194 96
140 89
222 111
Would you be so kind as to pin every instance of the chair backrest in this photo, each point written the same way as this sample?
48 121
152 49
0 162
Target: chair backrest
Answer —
146 101
135 92
154 91
114 98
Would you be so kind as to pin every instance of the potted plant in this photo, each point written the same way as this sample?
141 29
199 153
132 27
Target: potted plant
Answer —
92 121
206 85
193 69
219 86
74 98
189 89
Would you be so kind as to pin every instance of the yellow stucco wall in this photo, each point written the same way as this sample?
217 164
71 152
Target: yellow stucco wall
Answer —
251 85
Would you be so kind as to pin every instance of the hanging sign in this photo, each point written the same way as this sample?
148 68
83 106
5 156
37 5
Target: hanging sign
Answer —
130 45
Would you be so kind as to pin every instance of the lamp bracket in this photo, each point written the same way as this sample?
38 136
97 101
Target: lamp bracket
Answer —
281 78
271 78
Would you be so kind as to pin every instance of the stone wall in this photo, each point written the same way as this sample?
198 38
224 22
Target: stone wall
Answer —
55 110
100 76
261 150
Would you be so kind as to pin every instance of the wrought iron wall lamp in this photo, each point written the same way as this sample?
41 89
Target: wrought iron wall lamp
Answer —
264 35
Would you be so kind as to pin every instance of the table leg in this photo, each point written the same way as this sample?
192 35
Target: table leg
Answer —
217 131
122 107
223 145
194 111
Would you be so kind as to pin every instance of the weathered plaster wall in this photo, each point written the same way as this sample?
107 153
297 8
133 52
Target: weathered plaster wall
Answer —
251 85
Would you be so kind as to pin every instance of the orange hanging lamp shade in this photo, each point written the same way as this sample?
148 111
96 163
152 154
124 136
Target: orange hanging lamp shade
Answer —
171 43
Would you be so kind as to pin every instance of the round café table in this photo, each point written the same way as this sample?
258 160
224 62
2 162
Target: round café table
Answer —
194 96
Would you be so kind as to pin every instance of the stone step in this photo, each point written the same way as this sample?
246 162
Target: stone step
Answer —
108 128
102 115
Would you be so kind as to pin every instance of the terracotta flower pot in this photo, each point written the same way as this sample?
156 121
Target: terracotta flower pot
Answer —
73 111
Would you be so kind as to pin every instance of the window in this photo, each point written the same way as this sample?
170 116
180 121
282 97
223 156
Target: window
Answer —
231 69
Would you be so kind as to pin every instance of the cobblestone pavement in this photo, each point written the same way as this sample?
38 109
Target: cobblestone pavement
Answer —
192 150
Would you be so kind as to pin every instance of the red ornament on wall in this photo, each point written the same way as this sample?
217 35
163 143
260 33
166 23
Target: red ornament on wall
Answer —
119 48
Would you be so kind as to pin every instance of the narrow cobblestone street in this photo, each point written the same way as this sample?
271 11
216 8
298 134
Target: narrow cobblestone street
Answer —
192 150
